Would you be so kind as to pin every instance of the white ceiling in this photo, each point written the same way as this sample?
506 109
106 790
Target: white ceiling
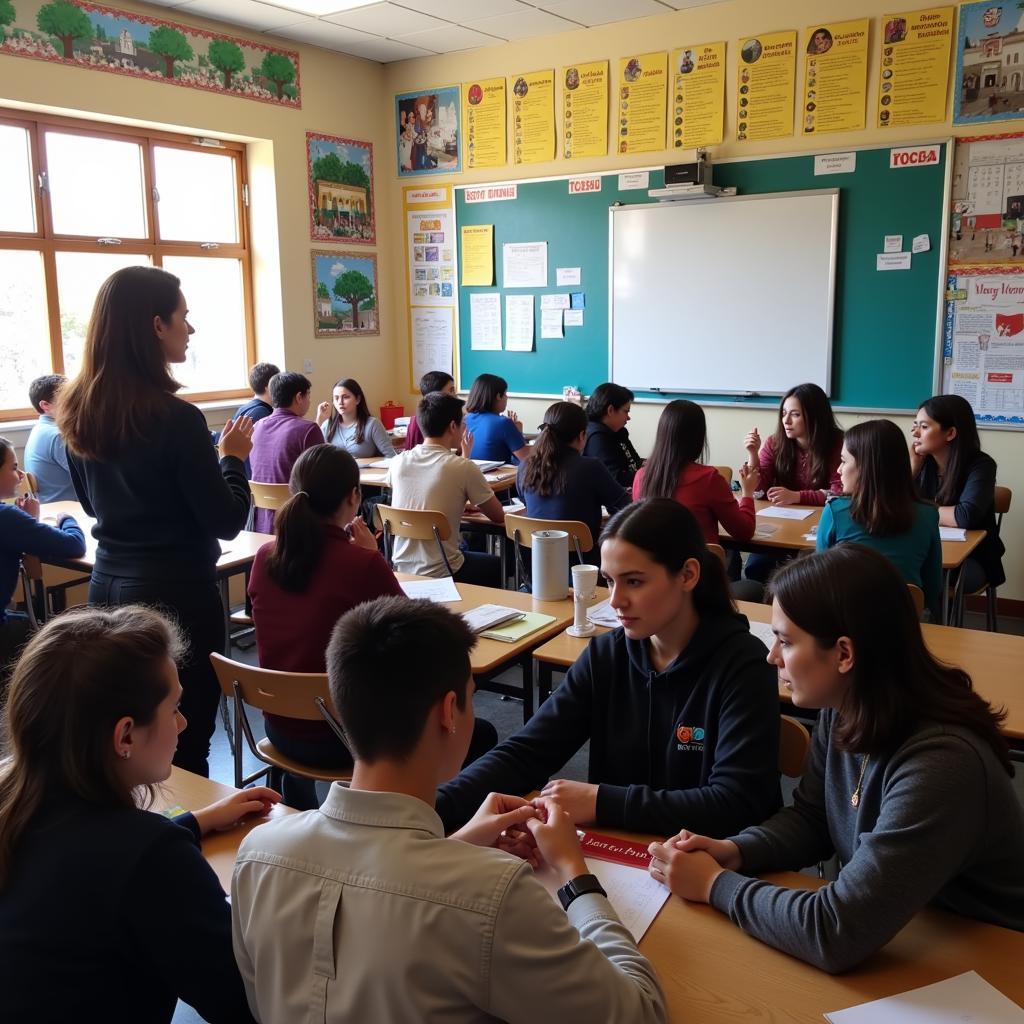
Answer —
419 28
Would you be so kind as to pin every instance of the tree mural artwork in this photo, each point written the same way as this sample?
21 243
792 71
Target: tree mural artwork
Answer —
277 68
170 44
7 16
353 288
66 22
226 57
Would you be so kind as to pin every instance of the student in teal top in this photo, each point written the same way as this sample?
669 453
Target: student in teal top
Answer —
880 508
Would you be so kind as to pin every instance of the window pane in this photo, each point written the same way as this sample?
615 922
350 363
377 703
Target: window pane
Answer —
213 292
24 329
17 209
79 276
198 202
96 186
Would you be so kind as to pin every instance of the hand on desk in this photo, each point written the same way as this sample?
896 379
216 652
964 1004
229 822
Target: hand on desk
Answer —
689 864
227 813
783 496
577 799
499 823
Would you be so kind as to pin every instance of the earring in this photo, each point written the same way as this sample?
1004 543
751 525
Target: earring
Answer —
452 730
125 754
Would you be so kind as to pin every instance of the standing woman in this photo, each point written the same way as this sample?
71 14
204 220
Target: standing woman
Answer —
607 436
950 469
143 467
908 780
497 434
349 424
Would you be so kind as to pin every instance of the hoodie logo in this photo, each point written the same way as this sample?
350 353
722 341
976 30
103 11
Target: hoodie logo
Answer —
691 738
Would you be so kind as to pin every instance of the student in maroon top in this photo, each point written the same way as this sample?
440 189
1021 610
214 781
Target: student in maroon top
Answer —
323 562
434 380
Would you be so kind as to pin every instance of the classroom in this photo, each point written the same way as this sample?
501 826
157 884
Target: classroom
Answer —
345 282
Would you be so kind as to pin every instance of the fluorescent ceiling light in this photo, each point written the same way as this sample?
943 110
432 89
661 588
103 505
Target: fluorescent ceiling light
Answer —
321 7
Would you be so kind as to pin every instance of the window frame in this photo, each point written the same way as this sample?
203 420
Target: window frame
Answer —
48 242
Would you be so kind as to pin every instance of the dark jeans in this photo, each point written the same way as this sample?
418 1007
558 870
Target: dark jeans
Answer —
760 565
484 570
331 753
196 606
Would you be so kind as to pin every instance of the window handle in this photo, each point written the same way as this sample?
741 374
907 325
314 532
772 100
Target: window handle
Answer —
108 241
44 181
209 245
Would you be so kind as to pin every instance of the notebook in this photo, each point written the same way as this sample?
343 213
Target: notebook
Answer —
515 630
487 616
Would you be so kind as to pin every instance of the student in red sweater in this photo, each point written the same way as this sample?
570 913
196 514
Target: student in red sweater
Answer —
674 470
323 562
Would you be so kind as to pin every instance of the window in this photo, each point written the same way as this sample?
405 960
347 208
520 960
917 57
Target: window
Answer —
81 200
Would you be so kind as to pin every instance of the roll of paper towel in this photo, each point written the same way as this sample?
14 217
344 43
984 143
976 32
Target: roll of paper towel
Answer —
550 558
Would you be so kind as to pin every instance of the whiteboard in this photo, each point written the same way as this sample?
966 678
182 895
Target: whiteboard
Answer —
732 295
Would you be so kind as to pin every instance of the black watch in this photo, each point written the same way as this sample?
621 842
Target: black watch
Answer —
579 886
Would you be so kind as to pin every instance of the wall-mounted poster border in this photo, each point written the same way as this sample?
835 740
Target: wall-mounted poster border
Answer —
340 176
989 83
427 134
345 297
97 38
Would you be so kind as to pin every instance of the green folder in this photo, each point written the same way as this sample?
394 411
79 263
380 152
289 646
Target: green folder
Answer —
516 630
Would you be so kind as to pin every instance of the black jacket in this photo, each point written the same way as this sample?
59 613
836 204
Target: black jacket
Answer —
695 746
615 450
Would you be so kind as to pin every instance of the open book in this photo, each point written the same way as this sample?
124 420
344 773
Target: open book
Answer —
487 616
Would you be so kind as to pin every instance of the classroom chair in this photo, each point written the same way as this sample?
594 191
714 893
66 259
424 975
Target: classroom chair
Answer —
269 496
917 596
413 524
723 556
725 472
1004 496
520 530
794 745
301 695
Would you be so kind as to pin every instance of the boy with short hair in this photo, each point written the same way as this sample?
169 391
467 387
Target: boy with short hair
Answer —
45 455
259 406
363 911
433 380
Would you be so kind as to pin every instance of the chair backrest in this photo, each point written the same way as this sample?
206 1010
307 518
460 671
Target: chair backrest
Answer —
290 694
522 528
29 484
271 496
1002 504
794 743
725 472
917 596
717 549
414 524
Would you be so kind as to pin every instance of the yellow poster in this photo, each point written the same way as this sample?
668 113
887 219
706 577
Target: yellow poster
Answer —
767 86
533 117
483 119
697 110
585 110
640 122
478 254
914 66
835 77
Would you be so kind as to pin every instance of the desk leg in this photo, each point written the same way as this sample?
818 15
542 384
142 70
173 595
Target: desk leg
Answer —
527 665
545 670
225 600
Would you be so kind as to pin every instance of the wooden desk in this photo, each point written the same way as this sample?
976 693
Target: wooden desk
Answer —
501 479
992 660
714 973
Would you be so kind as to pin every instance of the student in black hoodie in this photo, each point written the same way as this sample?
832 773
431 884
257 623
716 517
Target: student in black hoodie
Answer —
679 705
607 436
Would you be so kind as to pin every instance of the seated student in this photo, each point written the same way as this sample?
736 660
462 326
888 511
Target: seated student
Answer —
22 533
434 380
880 509
497 434
280 438
363 911
323 562
799 464
908 780
46 458
950 469
607 436
432 476
680 709
107 911
557 482
259 406
349 424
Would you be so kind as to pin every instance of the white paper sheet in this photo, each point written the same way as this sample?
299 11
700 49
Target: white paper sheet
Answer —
485 321
893 243
966 997
432 340
892 261
567 275
380 464
519 323
952 533
763 632
785 512
524 265
573 318
441 590
556 300
602 614
551 323
921 243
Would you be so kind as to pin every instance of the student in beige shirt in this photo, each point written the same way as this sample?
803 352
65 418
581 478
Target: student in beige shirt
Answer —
432 476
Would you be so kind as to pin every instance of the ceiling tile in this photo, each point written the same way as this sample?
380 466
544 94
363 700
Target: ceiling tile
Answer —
318 8
681 5
451 37
246 13
167 3
387 50
463 11
323 33
520 26
601 12
386 20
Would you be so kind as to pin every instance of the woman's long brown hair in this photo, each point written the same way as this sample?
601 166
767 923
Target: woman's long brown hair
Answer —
823 437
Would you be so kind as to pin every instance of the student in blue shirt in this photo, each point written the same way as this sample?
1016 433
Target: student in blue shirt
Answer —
497 434
45 455
259 406
880 508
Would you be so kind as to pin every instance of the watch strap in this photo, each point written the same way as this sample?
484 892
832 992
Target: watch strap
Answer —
579 886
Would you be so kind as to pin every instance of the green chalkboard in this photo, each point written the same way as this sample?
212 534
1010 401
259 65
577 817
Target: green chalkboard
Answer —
884 340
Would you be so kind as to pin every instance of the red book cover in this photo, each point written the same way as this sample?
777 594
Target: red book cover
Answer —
618 851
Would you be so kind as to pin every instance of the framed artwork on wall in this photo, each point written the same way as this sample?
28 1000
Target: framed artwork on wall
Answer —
345 298
341 201
428 136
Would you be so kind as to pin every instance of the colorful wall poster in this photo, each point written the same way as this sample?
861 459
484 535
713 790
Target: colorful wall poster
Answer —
585 110
836 77
533 117
340 178
983 348
427 125
767 86
483 118
915 65
989 83
697 111
642 103
430 236
97 38
345 297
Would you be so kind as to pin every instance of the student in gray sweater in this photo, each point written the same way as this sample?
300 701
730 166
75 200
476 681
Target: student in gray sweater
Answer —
908 780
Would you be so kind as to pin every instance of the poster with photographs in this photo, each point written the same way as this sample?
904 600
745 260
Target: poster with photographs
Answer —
836 77
345 297
431 243
697 110
914 63
766 86
340 179
428 137
989 69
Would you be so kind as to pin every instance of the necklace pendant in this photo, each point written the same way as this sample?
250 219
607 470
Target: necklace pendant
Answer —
855 800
